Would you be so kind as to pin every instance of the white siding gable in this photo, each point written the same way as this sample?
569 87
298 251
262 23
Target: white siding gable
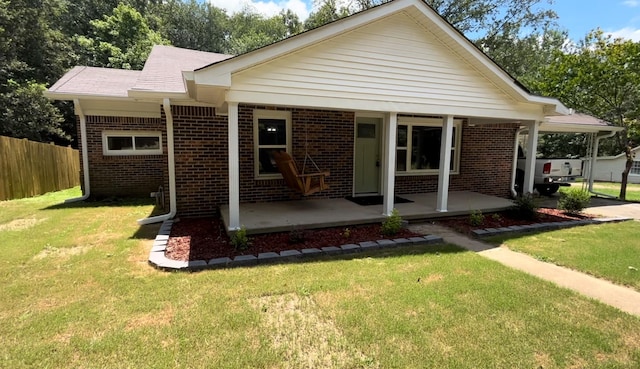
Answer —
393 64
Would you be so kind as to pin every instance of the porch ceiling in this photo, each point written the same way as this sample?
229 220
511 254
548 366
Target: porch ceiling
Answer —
307 214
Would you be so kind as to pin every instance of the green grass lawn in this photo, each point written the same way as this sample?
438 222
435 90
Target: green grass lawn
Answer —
611 189
77 293
609 251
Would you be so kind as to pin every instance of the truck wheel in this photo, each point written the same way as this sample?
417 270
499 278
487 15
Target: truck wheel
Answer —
547 189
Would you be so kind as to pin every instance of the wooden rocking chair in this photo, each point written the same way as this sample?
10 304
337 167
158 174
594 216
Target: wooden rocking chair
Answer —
305 184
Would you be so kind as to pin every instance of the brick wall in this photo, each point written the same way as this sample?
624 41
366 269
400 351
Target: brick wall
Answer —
135 175
201 156
485 163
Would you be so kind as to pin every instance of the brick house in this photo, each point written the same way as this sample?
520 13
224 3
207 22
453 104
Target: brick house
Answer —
390 100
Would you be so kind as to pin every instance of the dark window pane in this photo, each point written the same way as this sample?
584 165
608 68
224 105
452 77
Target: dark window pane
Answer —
366 130
147 143
119 143
401 161
402 136
272 131
425 153
453 160
453 138
267 163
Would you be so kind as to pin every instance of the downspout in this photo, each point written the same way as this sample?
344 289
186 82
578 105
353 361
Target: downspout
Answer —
85 153
514 193
592 164
166 105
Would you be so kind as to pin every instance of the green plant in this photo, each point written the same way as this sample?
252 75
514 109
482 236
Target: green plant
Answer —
574 200
392 224
525 207
239 239
346 233
496 217
476 218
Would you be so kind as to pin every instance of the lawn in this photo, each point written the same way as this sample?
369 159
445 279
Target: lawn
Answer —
77 293
612 189
609 251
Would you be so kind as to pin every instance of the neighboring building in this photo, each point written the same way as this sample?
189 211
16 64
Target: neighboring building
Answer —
370 98
610 168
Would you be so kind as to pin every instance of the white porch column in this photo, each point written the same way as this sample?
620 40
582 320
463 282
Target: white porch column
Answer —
530 166
389 173
234 168
445 163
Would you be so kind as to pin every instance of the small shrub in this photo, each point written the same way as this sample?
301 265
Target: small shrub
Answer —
496 217
392 225
574 200
525 207
240 240
296 236
476 218
346 233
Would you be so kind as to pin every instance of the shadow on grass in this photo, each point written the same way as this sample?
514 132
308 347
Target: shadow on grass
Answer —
148 232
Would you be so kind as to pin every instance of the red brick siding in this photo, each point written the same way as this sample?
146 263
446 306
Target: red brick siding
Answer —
329 141
486 160
135 175
201 156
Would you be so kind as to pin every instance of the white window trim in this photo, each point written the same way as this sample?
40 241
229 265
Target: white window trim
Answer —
268 114
132 134
635 163
428 122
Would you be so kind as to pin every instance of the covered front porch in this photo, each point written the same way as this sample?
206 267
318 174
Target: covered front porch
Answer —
281 216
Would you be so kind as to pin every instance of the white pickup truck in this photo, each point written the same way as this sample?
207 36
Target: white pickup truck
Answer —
550 174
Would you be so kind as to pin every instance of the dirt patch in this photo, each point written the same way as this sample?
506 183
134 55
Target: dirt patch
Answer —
204 239
463 224
50 251
20 224
307 339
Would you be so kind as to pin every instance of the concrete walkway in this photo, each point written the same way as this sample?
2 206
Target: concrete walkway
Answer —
623 298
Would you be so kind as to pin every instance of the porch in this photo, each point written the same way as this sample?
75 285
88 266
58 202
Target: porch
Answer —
306 214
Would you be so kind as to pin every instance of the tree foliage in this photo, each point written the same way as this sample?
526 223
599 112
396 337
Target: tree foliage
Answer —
121 40
601 77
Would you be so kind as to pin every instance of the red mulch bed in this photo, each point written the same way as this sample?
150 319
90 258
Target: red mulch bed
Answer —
205 238
506 219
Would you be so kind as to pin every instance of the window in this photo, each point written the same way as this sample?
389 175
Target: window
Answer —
131 143
635 168
418 145
271 133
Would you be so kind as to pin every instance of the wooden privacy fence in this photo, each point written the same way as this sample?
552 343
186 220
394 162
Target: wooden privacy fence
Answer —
30 168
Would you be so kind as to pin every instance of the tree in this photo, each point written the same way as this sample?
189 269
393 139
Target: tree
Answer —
192 25
601 77
250 30
33 52
121 40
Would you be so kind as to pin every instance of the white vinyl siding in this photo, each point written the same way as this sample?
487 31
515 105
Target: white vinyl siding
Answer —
271 132
394 61
116 143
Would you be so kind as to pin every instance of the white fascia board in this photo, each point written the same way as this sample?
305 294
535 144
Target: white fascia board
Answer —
220 73
532 113
156 95
576 128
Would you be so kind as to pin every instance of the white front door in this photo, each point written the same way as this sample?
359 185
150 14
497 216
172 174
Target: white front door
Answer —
367 155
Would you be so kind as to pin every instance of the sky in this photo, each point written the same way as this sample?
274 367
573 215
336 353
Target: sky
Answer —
620 18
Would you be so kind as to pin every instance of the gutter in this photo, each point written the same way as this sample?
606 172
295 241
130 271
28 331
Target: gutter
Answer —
514 193
166 105
592 164
85 154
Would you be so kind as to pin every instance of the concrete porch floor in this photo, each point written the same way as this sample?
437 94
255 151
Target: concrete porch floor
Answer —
282 216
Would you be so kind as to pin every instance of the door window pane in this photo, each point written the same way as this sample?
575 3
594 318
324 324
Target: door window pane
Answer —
366 130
